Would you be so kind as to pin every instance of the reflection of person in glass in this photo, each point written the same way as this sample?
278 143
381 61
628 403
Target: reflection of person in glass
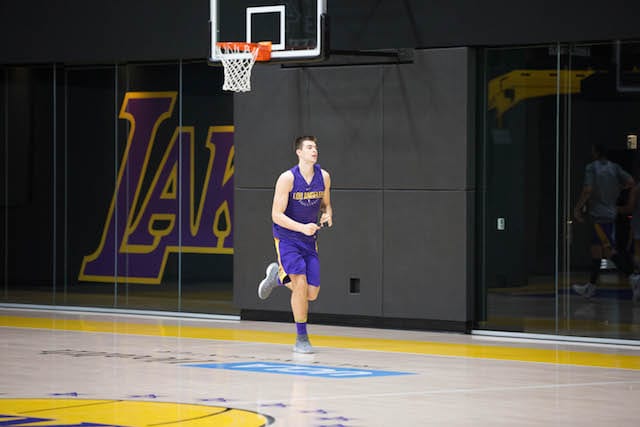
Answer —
633 207
603 182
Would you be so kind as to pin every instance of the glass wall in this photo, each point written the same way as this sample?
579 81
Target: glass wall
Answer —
543 110
117 187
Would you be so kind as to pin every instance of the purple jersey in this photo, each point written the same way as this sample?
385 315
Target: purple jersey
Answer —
304 203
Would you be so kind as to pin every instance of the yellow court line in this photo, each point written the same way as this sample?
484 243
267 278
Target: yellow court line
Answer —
480 351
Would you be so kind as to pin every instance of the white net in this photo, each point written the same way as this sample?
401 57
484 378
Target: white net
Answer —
238 61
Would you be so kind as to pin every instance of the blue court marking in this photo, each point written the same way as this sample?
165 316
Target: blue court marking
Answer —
295 369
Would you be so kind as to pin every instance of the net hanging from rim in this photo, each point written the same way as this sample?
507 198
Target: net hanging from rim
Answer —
237 59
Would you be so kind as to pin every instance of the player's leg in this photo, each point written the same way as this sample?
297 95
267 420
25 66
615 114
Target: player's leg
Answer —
600 244
312 292
300 309
292 274
313 273
597 254
634 279
309 251
621 258
270 281
276 274
311 286
299 302
636 252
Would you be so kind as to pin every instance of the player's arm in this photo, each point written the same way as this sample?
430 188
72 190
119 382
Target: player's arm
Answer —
625 178
284 185
631 201
325 207
584 197
629 183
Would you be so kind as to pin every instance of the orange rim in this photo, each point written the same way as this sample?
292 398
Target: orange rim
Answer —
264 48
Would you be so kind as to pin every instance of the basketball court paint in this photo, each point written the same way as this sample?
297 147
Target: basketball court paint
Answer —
100 413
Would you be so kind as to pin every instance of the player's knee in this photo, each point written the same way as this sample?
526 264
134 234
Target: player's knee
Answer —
300 289
312 293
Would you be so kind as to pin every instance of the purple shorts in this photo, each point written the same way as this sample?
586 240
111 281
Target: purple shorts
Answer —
604 234
298 257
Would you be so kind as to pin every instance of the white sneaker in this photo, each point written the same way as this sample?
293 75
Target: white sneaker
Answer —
270 281
587 290
634 280
303 345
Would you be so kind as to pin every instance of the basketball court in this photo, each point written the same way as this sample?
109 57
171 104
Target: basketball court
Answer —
84 367
100 369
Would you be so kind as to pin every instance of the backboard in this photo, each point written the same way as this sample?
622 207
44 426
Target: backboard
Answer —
295 27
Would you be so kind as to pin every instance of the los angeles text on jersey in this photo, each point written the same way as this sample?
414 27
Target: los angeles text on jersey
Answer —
308 195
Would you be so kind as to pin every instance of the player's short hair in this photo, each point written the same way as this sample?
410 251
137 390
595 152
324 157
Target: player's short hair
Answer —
600 150
299 140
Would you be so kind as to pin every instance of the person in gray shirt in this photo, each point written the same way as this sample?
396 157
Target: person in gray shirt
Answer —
603 182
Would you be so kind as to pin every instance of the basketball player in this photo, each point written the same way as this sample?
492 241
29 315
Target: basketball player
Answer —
603 181
301 194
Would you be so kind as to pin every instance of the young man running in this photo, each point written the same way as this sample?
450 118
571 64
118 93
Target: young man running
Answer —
301 194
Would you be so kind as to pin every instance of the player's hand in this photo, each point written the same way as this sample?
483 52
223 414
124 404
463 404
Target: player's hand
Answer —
326 220
310 229
578 215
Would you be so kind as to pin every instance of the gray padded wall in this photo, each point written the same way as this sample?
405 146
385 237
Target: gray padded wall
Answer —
427 130
425 255
266 120
345 109
397 140
429 187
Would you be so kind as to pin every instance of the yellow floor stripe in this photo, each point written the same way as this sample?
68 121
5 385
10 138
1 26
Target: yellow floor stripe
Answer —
565 357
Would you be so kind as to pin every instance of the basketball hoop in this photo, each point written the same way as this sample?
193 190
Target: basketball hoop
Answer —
237 59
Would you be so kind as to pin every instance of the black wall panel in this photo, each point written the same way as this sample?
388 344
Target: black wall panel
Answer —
375 24
426 124
264 142
426 269
18 120
79 31
30 146
124 30
345 110
88 156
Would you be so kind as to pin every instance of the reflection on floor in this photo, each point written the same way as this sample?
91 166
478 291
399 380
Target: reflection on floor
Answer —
194 297
540 307
69 368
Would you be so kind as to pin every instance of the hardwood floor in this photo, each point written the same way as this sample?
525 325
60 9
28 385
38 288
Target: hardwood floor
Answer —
69 368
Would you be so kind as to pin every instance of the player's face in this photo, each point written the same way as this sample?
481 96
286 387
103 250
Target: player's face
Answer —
308 152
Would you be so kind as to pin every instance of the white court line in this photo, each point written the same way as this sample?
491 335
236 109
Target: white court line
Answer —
436 392
555 339
90 311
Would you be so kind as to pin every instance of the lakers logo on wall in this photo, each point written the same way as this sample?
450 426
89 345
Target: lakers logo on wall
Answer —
116 413
156 212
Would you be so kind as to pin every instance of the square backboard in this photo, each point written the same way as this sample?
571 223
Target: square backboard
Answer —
294 27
